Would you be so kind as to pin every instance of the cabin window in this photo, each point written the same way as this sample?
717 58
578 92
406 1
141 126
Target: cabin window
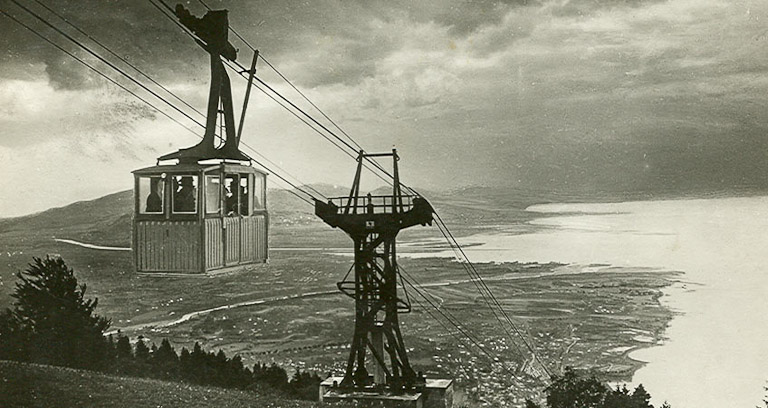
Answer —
184 194
258 192
212 195
151 195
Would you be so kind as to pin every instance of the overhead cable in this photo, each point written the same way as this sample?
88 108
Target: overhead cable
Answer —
105 61
118 56
111 80
94 69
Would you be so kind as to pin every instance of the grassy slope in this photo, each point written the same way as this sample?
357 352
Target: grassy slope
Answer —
31 385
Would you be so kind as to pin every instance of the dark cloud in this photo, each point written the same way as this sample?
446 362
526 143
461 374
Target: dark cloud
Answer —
66 73
341 41
134 30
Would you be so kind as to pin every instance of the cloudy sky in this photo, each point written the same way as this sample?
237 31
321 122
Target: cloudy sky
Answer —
583 96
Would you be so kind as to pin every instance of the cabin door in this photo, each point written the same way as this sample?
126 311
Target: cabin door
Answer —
231 235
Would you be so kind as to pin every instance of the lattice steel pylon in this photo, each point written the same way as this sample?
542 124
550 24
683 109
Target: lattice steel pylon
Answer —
373 223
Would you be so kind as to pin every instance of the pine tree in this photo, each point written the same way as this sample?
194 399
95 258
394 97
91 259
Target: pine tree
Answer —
303 385
641 398
618 398
165 353
571 391
165 360
142 352
123 348
199 362
52 310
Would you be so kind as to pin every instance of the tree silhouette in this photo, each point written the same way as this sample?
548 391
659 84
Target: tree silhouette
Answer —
641 398
570 390
59 322
53 323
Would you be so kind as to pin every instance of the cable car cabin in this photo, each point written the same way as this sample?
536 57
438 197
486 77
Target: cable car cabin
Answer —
204 212
196 218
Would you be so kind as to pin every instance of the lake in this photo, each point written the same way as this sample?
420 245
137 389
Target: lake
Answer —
716 353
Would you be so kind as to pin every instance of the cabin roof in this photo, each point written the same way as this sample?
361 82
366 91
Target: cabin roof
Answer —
197 167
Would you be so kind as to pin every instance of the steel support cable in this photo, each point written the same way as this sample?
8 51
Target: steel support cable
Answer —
94 69
253 150
421 290
452 332
453 323
482 281
355 149
475 276
118 56
172 17
380 168
293 105
289 183
349 153
475 279
357 145
287 109
170 9
351 139
284 106
449 315
480 285
112 80
456 323
242 69
464 257
105 61
311 103
449 331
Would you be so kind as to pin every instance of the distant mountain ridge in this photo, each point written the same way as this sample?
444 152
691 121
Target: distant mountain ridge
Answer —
107 220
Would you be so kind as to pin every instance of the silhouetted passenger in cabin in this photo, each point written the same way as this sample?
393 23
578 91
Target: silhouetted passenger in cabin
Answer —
243 200
155 197
231 197
185 199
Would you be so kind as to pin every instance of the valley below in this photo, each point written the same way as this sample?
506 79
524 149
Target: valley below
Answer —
288 311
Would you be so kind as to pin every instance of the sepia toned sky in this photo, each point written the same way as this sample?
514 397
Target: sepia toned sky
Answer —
580 96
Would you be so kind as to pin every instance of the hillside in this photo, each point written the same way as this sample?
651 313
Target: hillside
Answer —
107 220
32 385
108 217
